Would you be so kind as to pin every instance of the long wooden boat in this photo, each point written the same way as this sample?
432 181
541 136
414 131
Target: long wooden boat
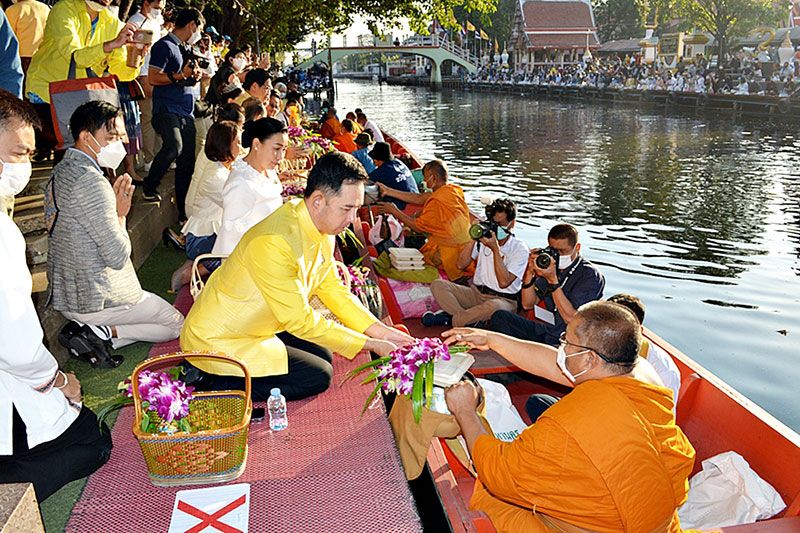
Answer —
714 416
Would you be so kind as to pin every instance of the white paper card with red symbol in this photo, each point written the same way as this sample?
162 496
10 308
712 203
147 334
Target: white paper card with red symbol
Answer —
225 508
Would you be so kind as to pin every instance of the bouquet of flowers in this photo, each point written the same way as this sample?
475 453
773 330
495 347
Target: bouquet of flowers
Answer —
162 393
295 188
408 371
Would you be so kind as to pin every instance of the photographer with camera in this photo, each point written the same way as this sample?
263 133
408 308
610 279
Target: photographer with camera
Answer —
174 70
557 281
500 260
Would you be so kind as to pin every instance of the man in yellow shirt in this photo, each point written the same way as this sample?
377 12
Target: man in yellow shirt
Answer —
607 457
255 307
28 19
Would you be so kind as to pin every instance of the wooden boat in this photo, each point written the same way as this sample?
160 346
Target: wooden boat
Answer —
714 416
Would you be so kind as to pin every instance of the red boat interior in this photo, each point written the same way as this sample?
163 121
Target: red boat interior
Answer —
715 417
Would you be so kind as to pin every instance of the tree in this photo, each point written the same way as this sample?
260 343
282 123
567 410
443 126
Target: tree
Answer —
618 19
728 19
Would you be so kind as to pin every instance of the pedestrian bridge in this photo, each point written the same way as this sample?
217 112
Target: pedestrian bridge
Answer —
436 49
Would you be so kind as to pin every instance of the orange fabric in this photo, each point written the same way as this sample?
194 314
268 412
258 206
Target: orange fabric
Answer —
608 456
330 128
345 142
445 218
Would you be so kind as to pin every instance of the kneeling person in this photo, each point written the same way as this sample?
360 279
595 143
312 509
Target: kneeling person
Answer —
256 308
500 261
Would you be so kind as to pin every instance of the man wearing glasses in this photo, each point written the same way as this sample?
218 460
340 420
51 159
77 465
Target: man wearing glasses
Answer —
553 288
608 456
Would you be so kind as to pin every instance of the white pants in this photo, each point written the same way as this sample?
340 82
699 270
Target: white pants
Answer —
152 319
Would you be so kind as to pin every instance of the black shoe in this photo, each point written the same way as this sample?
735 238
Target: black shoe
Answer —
83 344
139 184
439 318
151 196
172 238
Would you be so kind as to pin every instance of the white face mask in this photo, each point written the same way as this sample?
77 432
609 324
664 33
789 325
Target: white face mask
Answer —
194 38
14 178
94 6
564 261
154 14
561 361
110 155
114 10
239 63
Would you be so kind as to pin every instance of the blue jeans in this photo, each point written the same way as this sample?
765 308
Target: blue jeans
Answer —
537 404
513 325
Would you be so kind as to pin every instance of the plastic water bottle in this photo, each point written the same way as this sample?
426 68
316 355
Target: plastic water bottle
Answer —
276 405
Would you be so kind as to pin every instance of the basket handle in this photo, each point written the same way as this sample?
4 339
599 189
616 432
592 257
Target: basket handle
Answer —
179 356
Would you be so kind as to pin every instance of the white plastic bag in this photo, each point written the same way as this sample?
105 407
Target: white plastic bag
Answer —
727 492
501 414
395 230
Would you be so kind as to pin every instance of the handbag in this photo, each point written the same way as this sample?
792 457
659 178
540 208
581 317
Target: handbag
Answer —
67 95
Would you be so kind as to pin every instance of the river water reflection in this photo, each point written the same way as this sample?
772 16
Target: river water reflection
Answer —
698 216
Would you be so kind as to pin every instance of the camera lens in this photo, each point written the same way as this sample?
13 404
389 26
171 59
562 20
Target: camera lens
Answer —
543 260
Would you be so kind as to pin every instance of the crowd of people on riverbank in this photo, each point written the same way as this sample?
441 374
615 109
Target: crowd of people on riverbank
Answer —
744 74
239 134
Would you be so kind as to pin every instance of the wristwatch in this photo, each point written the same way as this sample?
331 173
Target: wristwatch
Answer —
529 284
553 286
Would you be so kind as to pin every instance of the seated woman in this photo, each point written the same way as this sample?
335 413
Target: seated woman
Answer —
47 437
91 276
204 199
253 190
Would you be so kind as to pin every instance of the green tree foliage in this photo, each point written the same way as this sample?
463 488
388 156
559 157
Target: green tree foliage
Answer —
728 19
284 23
618 19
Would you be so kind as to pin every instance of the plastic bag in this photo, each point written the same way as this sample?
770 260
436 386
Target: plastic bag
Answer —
501 414
393 231
727 492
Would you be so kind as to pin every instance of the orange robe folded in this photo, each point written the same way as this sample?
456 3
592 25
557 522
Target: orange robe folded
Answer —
608 456
445 218
345 142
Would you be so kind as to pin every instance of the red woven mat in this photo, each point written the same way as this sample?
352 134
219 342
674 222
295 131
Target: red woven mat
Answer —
331 470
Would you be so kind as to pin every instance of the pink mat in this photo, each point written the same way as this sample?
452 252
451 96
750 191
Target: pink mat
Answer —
331 470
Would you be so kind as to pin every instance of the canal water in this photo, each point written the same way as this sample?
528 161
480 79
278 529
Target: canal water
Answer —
697 215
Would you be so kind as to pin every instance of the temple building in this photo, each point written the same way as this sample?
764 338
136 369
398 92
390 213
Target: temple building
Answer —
552 31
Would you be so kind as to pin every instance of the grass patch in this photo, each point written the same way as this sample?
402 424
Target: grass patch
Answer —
100 385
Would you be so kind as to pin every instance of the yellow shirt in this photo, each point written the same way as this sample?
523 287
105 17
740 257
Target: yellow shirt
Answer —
69 34
263 288
28 19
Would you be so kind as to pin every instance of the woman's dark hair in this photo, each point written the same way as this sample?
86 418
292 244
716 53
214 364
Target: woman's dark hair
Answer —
230 111
253 108
232 53
220 138
261 129
92 116
333 170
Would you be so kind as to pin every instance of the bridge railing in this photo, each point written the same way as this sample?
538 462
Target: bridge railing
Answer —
447 44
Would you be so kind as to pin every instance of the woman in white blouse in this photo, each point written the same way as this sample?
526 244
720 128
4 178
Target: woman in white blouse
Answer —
253 190
204 199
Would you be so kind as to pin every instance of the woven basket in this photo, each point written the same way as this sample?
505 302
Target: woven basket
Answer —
216 450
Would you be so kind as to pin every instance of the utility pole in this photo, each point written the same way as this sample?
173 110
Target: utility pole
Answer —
331 91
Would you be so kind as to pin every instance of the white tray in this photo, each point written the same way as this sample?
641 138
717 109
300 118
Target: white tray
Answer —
446 373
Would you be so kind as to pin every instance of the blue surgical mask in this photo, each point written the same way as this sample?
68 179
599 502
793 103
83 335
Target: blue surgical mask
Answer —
502 233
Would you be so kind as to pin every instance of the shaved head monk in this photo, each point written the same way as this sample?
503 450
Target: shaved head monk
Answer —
444 218
607 457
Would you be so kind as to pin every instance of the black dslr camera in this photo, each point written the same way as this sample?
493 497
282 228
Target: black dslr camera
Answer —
483 230
191 55
545 256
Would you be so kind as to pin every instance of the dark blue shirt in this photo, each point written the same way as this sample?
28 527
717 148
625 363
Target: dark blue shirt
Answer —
395 174
582 283
166 56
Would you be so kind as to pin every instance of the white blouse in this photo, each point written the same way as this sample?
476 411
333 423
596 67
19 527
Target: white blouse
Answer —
247 198
27 369
204 198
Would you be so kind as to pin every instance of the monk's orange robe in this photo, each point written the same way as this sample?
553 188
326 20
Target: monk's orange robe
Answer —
330 128
445 218
345 142
608 456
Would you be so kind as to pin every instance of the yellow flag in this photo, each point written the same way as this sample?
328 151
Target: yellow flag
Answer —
453 21
484 36
470 27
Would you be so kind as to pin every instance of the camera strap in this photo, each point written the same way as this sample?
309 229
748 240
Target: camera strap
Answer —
542 294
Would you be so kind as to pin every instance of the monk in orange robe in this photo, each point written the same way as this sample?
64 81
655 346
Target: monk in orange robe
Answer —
608 456
331 127
445 218
345 140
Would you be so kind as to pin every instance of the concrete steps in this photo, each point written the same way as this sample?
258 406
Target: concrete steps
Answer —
146 221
